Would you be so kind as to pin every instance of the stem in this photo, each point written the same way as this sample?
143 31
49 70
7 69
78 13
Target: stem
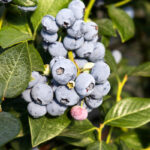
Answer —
2 19
70 56
122 3
109 136
99 130
120 87
88 10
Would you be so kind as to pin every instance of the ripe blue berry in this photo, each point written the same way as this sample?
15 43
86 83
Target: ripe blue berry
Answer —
54 60
36 110
49 24
73 44
78 7
26 95
63 71
93 103
98 52
75 30
66 96
57 49
49 38
55 108
100 72
84 84
65 18
85 50
90 30
42 93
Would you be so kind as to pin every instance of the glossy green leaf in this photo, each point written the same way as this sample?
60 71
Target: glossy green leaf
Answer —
99 146
45 7
132 140
9 127
78 133
122 22
35 58
10 36
105 40
46 128
15 70
105 27
142 70
129 113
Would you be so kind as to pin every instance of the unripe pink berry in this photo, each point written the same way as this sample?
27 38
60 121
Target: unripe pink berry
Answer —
79 113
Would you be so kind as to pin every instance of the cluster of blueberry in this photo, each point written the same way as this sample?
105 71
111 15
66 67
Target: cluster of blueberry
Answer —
79 79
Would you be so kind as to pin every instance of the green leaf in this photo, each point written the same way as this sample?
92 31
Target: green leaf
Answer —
45 7
142 70
132 140
46 128
122 22
105 40
99 146
15 70
36 60
105 27
78 133
129 113
10 36
9 127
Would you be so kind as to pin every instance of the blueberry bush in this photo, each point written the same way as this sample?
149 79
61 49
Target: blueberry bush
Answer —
74 75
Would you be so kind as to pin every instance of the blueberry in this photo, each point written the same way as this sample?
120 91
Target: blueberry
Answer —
85 50
49 38
35 77
81 62
98 52
65 18
95 39
93 103
63 71
26 95
54 60
117 56
100 72
106 88
42 93
100 90
72 44
90 30
84 84
5 1
75 30
66 96
78 8
42 79
57 49
26 9
55 108
79 113
49 24
36 110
